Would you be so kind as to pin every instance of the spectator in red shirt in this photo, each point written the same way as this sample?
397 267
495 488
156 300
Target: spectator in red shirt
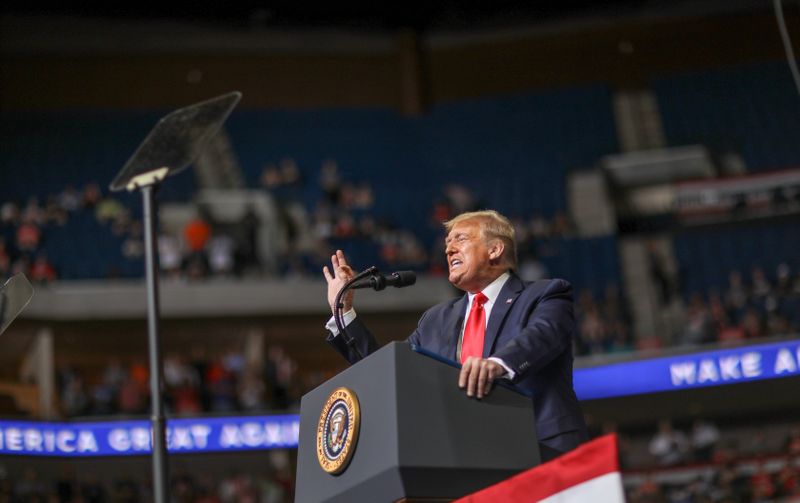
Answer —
42 271
762 485
28 236
197 232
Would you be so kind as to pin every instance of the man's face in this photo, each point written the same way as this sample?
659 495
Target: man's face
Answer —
468 259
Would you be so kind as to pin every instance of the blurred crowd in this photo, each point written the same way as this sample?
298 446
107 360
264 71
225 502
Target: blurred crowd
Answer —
603 326
332 211
745 309
206 248
273 483
195 383
23 228
701 466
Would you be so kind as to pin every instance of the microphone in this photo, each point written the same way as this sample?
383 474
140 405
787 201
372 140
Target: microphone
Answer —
378 281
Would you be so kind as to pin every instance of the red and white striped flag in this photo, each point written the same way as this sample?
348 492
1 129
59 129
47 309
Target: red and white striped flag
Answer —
588 473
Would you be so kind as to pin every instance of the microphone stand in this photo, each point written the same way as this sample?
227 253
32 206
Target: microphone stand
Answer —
338 316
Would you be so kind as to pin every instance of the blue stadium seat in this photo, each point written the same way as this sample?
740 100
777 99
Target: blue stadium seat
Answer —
751 109
707 256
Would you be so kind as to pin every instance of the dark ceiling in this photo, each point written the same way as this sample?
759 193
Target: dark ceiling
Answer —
369 15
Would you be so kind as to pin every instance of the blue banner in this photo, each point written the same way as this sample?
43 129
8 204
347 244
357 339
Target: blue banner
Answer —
696 370
124 438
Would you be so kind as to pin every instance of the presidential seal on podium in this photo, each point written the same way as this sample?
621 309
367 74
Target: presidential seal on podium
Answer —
337 430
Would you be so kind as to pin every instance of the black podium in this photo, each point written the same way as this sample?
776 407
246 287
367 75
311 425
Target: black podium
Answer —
420 438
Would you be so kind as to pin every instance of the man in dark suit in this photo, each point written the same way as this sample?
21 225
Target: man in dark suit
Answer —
503 328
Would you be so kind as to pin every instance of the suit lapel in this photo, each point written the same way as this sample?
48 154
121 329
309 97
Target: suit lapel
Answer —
508 295
454 320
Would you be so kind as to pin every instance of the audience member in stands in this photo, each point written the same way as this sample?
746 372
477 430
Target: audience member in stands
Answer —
28 235
9 213
592 331
221 254
602 327
364 197
249 227
74 397
461 199
69 199
54 213
133 245
704 438
32 212
280 372
792 443
251 390
22 264
42 271
196 234
105 393
531 268
720 323
185 396
330 181
270 178
169 254
787 480
108 210
132 396
195 266
699 327
292 181
401 249
286 184
760 287
669 446
221 384
344 227
91 195
736 296
751 324
762 487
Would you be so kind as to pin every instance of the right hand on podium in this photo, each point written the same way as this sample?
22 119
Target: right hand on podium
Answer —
339 274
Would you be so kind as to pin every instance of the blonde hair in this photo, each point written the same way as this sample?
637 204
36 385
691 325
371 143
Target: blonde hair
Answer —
493 226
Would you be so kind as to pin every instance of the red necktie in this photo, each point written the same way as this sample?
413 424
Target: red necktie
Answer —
475 329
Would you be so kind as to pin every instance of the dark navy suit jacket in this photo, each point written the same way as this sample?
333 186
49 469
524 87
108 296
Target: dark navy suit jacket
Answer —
530 328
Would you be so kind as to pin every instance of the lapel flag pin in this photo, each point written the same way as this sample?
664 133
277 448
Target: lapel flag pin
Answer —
509 300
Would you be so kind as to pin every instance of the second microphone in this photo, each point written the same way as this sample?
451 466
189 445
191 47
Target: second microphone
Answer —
378 281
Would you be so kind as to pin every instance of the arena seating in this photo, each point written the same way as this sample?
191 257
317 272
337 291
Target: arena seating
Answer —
707 256
44 151
512 152
752 109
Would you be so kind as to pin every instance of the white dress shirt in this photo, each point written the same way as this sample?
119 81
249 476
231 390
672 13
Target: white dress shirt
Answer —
492 291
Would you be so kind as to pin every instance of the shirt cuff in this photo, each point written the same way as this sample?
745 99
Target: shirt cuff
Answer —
349 316
509 373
